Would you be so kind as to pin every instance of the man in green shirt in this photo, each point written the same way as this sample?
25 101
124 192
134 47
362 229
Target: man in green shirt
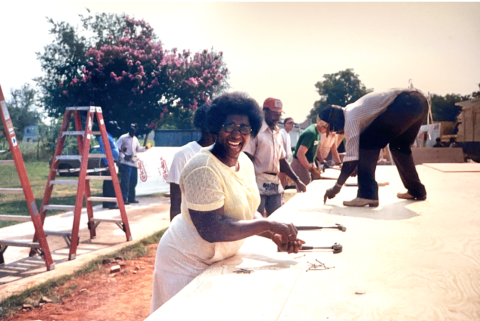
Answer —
303 163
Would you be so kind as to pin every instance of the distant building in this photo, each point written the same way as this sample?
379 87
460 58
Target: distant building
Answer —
30 134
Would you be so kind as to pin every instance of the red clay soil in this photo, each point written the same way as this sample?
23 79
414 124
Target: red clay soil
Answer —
102 296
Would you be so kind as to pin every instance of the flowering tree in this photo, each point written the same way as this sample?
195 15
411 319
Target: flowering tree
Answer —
129 74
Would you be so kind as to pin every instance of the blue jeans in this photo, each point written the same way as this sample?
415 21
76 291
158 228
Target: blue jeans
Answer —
128 181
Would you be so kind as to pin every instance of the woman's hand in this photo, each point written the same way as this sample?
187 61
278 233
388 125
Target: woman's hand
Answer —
288 232
290 247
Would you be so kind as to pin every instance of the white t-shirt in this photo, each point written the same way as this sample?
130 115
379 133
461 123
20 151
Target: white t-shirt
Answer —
133 147
287 144
180 159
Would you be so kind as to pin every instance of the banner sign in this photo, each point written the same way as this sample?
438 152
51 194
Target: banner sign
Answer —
153 166
427 134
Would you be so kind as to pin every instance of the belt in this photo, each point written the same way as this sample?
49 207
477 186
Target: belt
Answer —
273 174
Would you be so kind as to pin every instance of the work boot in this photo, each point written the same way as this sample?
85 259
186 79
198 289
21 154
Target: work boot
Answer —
408 196
360 202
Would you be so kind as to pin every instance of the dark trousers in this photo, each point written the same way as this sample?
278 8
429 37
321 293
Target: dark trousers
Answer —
270 203
108 191
397 126
128 181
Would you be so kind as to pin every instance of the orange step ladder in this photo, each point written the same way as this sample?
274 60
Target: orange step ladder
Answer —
40 245
84 135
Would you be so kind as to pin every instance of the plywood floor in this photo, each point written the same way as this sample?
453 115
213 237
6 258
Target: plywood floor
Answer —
404 260
455 167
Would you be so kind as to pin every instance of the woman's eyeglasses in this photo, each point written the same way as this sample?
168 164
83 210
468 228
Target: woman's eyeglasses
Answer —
290 122
243 129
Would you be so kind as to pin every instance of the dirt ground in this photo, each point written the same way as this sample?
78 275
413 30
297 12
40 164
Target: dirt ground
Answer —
102 295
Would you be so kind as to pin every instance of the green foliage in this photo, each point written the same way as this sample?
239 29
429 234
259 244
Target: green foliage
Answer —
341 88
14 204
21 108
118 63
444 109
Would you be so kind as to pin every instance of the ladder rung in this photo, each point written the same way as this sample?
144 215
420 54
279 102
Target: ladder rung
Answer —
59 207
7 162
79 108
97 170
64 182
18 218
58 233
110 220
76 132
101 178
97 156
70 170
69 157
102 199
96 133
11 190
20 243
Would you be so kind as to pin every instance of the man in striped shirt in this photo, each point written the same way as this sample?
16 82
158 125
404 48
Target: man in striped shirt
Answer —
392 117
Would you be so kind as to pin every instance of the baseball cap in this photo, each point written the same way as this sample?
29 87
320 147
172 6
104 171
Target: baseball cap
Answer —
273 104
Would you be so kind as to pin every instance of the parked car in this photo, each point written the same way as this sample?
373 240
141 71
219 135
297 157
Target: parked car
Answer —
74 163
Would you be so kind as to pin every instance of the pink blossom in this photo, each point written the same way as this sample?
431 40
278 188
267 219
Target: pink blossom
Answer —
60 84
65 93
138 63
113 75
139 77
165 109
131 102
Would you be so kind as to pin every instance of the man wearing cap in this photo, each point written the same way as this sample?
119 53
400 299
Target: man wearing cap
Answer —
303 163
128 147
268 156
392 117
108 190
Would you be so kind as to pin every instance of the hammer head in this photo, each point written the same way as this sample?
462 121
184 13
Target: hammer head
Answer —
337 248
341 227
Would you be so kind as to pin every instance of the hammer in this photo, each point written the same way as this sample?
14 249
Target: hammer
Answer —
337 226
337 248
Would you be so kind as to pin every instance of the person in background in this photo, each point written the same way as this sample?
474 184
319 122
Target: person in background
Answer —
108 190
128 147
287 144
303 163
391 117
183 155
288 124
219 202
268 156
438 143
453 143
328 144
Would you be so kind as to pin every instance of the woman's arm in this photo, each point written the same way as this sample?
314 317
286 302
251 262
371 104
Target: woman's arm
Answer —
214 226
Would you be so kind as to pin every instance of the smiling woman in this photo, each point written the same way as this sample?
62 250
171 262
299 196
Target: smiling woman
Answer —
219 202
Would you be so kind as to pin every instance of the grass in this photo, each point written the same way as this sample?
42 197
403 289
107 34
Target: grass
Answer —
37 171
33 295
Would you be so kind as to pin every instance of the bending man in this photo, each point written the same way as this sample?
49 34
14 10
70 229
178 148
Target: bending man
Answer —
375 120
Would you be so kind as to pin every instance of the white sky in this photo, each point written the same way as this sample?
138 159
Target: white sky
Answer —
278 49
